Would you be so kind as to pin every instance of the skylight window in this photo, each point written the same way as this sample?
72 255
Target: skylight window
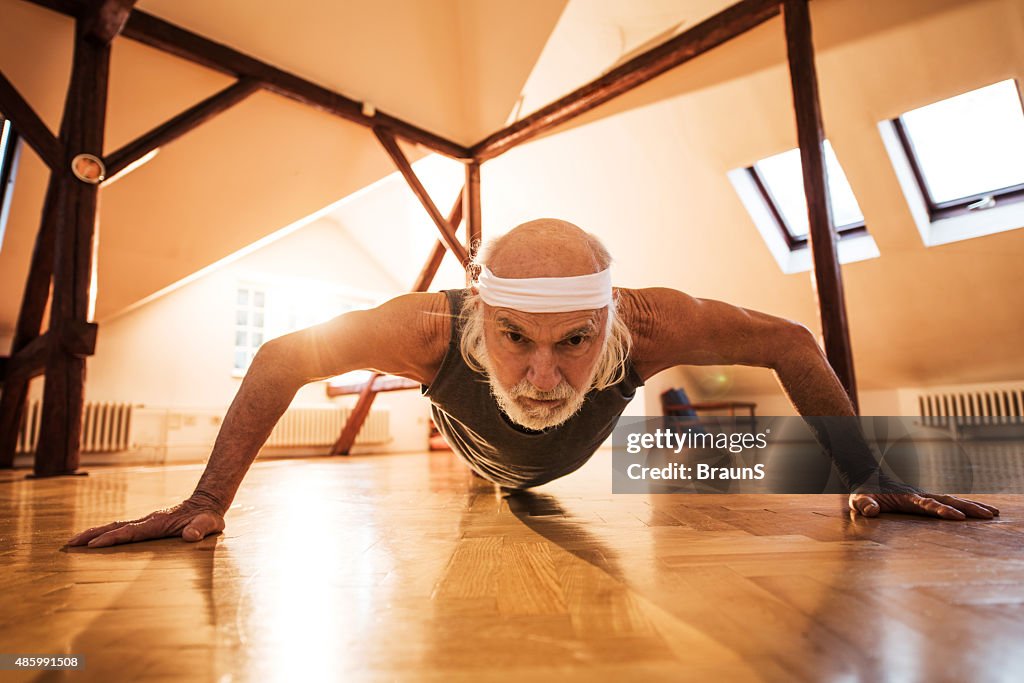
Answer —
958 162
781 180
966 151
8 166
772 190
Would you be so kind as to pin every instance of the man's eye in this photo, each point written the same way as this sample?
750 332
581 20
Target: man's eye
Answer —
575 340
514 337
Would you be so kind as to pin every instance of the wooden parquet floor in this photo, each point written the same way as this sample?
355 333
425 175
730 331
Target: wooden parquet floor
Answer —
405 567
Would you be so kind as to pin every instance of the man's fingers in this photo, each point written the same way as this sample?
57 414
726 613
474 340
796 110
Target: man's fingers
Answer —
129 533
89 534
123 534
181 520
113 537
201 526
991 508
969 507
934 507
864 504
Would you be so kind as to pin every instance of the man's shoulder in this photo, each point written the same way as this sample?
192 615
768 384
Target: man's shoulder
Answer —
425 322
426 315
650 315
644 310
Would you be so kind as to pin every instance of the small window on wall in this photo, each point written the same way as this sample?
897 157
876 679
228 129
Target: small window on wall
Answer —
772 190
250 322
958 161
280 305
9 149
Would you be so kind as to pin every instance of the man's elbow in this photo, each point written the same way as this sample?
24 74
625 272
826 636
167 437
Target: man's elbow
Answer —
281 359
796 345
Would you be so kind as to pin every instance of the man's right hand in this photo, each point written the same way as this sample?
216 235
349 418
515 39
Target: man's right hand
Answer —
193 520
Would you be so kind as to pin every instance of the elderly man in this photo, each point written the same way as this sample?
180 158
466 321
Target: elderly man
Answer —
526 372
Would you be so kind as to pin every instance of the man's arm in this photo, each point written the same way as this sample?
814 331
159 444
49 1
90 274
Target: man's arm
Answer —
404 336
672 328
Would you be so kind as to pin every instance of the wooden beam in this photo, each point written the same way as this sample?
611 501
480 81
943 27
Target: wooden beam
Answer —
433 262
162 35
28 124
165 36
57 452
355 421
471 199
173 129
105 19
381 385
76 339
706 35
823 239
405 168
30 319
29 362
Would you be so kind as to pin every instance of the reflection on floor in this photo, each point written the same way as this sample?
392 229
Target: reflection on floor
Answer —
406 568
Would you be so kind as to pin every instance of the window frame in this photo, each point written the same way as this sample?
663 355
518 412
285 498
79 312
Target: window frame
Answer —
9 156
249 328
856 229
953 207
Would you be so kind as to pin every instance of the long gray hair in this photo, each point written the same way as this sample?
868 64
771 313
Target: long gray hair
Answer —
611 364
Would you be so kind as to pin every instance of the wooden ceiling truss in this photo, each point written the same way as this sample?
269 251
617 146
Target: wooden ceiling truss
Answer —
65 245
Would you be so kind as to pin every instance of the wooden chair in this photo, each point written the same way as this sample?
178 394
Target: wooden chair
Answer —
675 403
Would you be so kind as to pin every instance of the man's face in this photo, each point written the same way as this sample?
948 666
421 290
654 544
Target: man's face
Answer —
541 365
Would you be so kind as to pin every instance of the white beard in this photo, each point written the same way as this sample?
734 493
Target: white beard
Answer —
530 416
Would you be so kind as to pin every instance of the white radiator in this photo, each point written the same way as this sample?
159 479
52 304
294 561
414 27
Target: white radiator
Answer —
967 407
322 427
118 427
106 427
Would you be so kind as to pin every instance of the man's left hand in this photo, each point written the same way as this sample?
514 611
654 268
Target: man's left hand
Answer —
927 504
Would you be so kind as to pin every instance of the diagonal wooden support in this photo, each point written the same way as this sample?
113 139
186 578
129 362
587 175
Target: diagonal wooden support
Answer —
688 45
30 320
433 262
365 401
162 35
471 207
174 128
29 125
76 339
823 239
355 421
29 362
405 168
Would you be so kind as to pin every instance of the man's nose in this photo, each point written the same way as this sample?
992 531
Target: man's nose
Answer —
543 372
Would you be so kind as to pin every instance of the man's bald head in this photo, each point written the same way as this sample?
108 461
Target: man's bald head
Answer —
546 247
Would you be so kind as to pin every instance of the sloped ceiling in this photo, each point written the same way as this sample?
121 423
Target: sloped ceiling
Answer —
449 66
651 181
645 171
453 67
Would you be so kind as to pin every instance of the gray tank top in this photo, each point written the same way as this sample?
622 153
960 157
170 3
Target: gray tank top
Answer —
469 418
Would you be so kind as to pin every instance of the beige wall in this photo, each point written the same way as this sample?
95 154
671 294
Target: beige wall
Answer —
651 181
175 352
256 168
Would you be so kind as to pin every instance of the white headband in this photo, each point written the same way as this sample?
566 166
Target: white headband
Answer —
546 294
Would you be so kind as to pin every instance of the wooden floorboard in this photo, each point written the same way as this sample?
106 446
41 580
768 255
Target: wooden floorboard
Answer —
382 568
